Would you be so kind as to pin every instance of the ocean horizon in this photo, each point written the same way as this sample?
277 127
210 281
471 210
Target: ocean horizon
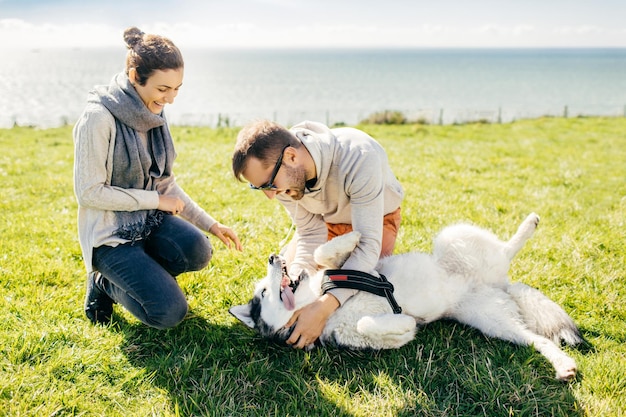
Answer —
48 87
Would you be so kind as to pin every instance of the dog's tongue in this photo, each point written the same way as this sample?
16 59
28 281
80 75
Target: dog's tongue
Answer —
287 295
288 299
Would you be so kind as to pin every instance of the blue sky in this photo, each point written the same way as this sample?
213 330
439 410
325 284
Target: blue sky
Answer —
318 23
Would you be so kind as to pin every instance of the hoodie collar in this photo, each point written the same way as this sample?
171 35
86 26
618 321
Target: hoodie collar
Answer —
321 146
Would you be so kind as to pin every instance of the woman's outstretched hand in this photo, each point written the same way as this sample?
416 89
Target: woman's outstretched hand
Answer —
226 235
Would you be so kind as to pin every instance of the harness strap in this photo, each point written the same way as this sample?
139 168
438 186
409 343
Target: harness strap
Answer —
358 280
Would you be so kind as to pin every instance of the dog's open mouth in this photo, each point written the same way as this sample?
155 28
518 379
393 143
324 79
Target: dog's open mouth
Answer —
288 288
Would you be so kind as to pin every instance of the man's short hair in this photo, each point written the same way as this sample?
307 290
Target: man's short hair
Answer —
262 139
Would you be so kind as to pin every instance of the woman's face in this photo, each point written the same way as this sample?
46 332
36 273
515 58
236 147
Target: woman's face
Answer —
160 89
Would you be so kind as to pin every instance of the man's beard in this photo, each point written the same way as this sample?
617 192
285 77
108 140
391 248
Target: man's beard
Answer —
296 177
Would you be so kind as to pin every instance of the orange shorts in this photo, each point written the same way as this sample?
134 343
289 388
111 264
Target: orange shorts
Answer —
391 224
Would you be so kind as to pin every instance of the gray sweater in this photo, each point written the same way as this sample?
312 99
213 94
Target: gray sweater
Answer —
94 142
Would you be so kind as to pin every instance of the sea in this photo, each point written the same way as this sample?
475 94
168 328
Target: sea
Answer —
48 87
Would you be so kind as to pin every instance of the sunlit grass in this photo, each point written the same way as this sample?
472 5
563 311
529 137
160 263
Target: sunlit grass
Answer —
572 172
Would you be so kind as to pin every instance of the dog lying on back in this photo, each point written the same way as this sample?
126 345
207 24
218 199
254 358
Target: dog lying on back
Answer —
464 279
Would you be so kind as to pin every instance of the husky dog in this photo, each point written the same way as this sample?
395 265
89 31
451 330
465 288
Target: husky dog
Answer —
464 279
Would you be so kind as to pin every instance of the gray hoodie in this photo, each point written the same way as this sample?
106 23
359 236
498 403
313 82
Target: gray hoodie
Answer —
355 185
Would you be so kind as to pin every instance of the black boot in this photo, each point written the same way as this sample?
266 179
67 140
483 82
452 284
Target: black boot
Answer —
98 305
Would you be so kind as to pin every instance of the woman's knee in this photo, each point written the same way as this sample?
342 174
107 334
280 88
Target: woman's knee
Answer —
169 314
191 253
199 253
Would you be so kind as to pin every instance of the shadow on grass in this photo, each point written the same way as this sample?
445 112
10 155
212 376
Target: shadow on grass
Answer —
218 370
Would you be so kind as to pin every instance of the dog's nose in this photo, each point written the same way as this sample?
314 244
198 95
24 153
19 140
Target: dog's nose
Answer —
273 258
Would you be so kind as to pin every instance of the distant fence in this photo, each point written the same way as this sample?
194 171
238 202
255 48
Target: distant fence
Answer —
425 116
432 116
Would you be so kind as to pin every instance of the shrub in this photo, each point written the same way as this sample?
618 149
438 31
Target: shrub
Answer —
386 117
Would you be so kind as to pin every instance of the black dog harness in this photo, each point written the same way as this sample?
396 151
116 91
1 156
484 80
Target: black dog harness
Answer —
357 280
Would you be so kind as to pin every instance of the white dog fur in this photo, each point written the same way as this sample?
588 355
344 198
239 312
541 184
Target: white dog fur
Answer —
465 279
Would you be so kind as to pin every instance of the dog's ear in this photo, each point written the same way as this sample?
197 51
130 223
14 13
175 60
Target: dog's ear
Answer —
242 313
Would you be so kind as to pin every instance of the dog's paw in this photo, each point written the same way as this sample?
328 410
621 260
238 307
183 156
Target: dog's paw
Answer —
524 232
387 331
334 253
528 226
566 369
386 324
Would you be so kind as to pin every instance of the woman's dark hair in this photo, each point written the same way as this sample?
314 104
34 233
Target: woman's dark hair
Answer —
148 53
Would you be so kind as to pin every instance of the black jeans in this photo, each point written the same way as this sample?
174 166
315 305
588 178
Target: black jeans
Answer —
142 276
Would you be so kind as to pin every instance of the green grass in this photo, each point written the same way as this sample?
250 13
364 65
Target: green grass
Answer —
570 171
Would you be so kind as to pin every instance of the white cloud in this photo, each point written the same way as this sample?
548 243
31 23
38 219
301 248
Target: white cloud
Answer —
240 32
518 30
430 29
521 30
579 30
24 34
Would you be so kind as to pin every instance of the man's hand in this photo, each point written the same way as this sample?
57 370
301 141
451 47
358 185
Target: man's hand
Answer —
310 321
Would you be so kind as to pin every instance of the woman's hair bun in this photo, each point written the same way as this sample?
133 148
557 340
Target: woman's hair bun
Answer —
147 53
133 36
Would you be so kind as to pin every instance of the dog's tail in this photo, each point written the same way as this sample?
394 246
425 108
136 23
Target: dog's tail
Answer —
543 316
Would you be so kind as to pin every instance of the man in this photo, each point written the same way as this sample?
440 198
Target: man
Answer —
330 181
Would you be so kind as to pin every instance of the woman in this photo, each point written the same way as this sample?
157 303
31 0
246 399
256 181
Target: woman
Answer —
138 229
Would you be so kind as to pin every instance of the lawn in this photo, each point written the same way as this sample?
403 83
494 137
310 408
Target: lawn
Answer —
572 172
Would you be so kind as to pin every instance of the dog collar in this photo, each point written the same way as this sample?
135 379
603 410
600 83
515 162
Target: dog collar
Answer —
358 280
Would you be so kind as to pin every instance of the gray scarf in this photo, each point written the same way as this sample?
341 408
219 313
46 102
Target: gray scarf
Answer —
134 166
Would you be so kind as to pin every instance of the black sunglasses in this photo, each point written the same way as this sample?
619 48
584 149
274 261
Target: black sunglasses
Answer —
270 184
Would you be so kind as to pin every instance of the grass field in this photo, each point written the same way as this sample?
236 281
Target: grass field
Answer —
572 172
